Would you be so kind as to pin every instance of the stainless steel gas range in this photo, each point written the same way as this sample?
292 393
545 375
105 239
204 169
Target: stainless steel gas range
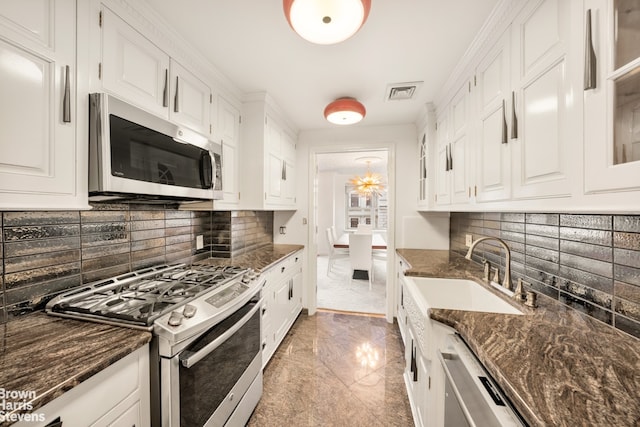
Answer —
205 352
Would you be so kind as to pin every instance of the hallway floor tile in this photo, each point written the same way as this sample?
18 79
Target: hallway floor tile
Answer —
336 369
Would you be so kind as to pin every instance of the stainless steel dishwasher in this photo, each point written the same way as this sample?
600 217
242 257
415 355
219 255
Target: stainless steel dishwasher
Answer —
471 396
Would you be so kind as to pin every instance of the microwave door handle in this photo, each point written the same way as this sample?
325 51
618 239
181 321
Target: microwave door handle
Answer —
207 172
190 361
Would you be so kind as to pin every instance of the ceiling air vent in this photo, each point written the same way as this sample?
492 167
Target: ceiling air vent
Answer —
402 91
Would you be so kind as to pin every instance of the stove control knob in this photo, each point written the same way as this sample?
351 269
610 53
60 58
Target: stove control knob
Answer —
175 319
189 311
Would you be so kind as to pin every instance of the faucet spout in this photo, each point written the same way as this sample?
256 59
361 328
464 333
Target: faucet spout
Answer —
506 282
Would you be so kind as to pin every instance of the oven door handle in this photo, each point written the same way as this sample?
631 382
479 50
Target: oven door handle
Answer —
190 361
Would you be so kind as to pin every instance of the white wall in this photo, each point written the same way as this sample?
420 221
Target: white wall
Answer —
325 210
412 229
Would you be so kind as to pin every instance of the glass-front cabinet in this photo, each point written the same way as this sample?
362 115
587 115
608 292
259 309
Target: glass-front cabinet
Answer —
423 192
612 95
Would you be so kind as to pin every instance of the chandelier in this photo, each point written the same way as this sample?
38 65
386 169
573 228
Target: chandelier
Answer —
370 183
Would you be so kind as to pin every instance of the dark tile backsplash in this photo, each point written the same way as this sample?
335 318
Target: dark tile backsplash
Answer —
44 253
589 262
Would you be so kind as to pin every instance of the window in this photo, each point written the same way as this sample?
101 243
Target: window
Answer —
370 209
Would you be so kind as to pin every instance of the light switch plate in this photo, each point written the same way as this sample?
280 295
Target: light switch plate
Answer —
468 240
199 242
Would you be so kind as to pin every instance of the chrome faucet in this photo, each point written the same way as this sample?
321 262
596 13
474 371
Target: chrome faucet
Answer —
506 283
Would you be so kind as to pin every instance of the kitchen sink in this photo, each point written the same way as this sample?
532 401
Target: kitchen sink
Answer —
461 294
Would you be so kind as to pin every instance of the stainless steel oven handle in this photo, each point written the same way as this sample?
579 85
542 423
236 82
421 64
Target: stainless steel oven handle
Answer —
196 357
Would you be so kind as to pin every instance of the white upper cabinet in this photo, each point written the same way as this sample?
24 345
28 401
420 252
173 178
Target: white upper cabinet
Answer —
268 155
191 101
423 167
493 161
612 95
459 149
133 67
289 169
41 161
229 132
136 70
544 115
443 159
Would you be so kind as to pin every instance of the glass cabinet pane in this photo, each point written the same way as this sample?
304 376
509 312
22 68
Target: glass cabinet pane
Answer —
627 31
627 118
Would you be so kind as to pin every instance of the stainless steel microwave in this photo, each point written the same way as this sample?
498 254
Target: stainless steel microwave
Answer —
136 156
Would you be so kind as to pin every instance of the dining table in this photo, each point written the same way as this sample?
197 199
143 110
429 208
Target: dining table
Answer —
377 242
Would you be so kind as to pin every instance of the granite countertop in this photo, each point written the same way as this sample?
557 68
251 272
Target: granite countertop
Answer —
51 355
559 367
259 259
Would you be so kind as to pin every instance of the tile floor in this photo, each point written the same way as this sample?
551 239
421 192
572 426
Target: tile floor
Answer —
337 292
336 369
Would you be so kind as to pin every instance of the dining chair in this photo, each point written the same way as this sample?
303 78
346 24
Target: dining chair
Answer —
380 254
360 254
364 229
334 234
334 253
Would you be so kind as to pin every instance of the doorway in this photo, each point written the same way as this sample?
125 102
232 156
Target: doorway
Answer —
340 208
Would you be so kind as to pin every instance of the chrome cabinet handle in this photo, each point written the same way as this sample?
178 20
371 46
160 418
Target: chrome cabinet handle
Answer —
176 99
589 57
66 100
514 118
165 91
446 160
504 124
450 158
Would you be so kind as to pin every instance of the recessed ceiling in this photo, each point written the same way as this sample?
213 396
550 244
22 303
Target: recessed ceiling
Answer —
353 162
252 44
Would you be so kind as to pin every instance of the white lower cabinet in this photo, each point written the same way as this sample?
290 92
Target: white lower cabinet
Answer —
117 396
281 302
417 378
423 375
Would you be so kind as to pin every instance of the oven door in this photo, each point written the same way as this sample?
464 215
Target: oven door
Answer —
203 384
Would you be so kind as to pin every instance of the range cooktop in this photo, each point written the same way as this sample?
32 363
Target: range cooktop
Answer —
138 298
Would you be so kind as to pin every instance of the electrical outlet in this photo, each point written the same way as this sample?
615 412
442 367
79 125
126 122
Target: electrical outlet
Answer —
199 242
468 240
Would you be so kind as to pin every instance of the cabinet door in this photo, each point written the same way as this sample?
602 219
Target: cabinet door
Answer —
296 291
612 100
274 163
423 387
459 165
547 120
443 178
289 173
228 129
423 165
37 136
493 173
133 68
282 309
191 99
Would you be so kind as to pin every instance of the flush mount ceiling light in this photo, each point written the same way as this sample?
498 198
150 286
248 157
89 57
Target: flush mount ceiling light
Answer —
326 21
344 111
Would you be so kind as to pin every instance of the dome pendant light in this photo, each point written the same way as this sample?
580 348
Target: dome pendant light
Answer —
326 21
344 111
